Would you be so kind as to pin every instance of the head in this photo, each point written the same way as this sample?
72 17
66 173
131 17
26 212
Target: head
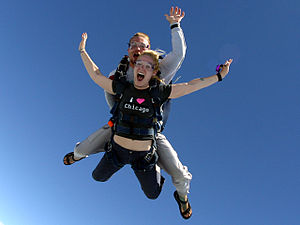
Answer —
145 68
137 45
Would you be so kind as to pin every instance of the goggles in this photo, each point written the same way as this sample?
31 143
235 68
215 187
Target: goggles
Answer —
146 65
134 44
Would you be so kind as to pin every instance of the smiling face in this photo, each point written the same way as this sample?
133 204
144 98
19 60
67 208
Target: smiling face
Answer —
143 71
137 45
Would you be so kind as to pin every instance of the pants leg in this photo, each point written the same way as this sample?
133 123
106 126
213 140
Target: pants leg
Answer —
94 143
168 161
147 172
106 168
151 181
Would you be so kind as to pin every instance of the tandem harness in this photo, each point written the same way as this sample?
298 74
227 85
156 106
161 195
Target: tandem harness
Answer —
149 126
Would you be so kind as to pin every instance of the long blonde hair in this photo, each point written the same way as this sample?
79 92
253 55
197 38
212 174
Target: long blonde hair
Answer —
155 57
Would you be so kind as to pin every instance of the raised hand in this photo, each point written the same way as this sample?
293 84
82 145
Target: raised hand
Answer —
83 42
175 16
225 68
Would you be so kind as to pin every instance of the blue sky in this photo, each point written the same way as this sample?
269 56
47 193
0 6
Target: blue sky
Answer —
239 138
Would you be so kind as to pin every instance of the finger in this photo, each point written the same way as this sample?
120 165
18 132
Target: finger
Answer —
171 10
179 11
176 10
183 14
225 66
167 17
228 62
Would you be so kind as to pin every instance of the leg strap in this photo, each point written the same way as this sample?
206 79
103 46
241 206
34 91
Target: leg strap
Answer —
151 152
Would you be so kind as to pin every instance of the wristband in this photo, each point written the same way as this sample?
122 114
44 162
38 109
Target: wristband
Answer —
218 68
174 25
219 77
82 51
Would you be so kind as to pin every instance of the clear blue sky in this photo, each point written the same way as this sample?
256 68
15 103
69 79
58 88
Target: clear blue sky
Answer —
240 138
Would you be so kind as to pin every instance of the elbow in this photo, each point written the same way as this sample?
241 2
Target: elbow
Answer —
181 52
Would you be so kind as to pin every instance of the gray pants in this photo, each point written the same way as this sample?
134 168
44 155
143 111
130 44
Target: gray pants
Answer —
168 159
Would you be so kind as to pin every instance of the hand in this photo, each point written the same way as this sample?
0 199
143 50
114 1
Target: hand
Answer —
83 42
175 15
225 68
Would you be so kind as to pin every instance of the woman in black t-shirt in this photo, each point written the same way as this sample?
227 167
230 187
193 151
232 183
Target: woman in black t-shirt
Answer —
132 140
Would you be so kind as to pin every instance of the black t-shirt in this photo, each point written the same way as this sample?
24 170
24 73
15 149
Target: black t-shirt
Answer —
138 103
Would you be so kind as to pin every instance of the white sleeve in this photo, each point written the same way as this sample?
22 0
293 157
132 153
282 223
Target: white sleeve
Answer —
171 63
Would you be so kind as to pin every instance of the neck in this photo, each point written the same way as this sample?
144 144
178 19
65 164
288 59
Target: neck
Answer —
131 64
141 87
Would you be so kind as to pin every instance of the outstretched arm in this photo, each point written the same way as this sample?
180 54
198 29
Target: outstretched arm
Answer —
173 60
93 69
182 89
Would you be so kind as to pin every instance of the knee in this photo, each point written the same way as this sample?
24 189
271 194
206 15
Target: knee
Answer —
155 192
152 195
97 177
179 172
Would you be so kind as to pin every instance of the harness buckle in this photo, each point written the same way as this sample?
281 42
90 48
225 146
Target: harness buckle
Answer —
151 152
148 157
109 147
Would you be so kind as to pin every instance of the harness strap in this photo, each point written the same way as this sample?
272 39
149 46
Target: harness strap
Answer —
155 121
135 131
119 75
136 119
154 93
151 152
148 157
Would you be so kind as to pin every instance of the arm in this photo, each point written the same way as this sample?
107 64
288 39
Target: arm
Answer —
172 62
92 68
182 89
110 98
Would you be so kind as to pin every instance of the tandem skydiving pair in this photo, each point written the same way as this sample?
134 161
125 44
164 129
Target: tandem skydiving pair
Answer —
138 93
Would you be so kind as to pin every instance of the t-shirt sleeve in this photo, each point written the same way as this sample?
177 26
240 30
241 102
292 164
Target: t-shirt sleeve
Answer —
119 85
165 91
114 85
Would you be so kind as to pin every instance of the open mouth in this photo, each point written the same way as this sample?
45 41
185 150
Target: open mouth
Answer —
135 55
140 76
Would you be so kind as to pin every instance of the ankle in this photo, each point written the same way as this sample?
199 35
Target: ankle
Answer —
183 198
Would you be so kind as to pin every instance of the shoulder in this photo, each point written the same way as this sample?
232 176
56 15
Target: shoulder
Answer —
164 91
165 88
119 86
112 73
